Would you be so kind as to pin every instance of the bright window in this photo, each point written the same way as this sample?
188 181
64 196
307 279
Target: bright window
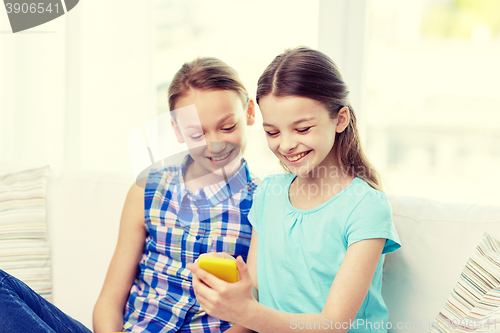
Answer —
433 102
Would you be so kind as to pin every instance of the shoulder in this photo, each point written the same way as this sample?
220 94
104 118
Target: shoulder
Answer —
363 202
367 203
136 192
134 204
169 173
371 217
362 192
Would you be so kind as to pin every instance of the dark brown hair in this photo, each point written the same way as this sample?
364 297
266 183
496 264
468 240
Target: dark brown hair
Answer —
309 73
207 73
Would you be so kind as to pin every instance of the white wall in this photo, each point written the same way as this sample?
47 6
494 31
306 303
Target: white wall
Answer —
71 92
342 35
32 95
73 89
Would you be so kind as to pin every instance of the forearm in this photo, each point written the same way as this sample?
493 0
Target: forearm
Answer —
266 320
107 316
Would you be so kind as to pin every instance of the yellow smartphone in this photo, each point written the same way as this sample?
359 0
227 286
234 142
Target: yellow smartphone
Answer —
225 269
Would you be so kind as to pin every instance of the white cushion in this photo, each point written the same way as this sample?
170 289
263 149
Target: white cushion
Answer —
474 304
437 240
24 249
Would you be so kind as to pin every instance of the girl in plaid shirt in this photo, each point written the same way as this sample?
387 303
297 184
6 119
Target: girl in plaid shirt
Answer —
183 212
197 208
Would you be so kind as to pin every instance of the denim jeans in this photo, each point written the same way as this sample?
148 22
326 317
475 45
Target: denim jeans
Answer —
24 311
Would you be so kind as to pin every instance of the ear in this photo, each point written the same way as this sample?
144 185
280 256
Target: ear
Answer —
343 118
177 131
251 112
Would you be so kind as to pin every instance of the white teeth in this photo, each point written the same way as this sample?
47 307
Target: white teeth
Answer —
296 157
222 157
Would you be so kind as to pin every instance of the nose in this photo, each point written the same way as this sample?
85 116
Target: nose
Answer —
288 143
215 142
216 147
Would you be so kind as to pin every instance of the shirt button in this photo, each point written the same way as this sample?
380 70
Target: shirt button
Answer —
198 237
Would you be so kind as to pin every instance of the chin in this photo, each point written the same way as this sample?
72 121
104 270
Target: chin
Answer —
303 174
231 167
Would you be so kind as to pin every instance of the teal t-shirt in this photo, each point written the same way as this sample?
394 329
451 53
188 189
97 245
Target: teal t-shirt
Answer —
300 251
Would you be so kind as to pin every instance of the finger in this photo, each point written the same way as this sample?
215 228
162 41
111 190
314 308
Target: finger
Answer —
242 269
204 303
201 288
193 267
196 282
197 279
196 286
204 295
210 280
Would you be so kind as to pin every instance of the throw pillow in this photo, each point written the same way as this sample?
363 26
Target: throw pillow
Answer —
24 248
474 304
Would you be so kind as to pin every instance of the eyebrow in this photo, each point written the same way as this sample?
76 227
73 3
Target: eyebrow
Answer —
226 118
198 126
294 123
193 126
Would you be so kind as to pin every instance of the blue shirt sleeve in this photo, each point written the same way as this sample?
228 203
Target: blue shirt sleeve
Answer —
372 218
257 209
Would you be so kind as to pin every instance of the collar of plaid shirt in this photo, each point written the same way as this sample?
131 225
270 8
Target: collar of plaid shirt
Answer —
218 192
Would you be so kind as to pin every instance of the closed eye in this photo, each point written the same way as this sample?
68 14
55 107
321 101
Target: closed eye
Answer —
197 137
304 130
229 129
271 134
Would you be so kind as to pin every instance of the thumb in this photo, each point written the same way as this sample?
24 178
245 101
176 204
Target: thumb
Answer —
242 269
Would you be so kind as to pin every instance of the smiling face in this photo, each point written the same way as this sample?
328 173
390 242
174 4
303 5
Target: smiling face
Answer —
300 132
216 135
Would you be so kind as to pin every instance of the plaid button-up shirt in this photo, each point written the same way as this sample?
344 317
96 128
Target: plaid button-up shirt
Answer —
180 226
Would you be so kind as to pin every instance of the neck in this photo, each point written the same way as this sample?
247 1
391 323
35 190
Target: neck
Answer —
197 177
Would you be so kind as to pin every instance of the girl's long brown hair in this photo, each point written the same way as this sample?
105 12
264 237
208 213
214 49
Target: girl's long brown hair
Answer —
309 73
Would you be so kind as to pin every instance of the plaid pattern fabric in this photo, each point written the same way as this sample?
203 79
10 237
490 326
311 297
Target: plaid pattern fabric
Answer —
180 226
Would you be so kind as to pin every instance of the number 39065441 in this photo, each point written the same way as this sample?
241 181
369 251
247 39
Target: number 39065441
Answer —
31 8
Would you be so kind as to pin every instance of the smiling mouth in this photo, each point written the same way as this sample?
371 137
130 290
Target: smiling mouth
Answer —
220 158
296 157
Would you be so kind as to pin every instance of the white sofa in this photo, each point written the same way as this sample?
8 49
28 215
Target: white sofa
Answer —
83 213
83 217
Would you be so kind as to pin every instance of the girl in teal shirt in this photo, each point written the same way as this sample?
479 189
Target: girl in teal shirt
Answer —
321 231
